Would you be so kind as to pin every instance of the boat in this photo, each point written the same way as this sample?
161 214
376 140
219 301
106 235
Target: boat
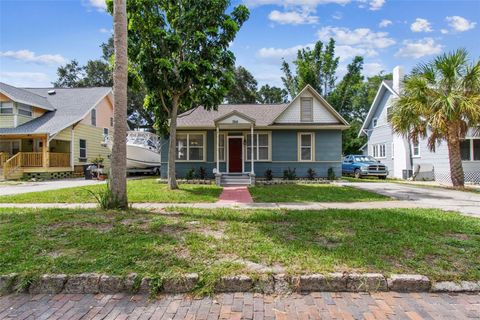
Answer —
143 150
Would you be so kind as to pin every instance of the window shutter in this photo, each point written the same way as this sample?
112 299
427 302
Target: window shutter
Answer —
306 110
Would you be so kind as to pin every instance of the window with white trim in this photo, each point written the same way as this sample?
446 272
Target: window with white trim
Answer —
6 107
190 147
82 149
93 115
261 147
415 149
306 109
221 147
379 150
24 110
305 143
470 149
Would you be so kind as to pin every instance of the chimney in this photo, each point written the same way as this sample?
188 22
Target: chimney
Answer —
398 75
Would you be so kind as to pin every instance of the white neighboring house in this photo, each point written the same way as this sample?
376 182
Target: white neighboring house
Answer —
402 156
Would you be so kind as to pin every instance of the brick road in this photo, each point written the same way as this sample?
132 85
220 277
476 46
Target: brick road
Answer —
243 306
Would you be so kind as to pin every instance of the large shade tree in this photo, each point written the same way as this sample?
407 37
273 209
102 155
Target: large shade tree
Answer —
244 88
441 101
180 48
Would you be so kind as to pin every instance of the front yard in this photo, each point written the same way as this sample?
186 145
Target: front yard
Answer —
220 242
311 193
139 190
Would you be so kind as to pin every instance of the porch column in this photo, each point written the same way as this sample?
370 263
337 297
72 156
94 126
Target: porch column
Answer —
72 150
218 149
45 157
252 144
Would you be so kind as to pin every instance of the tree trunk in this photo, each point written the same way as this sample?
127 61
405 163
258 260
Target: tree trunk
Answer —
455 158
118 174
172 146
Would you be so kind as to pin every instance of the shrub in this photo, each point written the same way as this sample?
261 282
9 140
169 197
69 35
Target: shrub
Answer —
202 173
311 174
268 175
190 174
331 174
289 174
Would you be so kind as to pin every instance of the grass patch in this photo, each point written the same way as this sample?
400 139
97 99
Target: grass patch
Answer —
312 193
139 190
443 246
368 179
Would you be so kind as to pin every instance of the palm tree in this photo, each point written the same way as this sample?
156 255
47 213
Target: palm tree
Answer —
118 183
440 101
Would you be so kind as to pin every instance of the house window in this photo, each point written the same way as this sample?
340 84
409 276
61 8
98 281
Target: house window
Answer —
416 149
470 149
6 107
190 146
83 149
221 147
375 122
105 131
306 109
111 121
305 142
261 147
93 115
379 150
25 110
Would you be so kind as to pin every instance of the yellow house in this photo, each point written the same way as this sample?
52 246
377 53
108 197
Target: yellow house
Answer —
53 132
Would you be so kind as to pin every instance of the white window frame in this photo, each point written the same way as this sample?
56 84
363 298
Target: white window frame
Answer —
301 109
6 108
375 122
25 108
256 152
377 151
204 147
472 155
80 149
416 155
93 117
299 146
223 136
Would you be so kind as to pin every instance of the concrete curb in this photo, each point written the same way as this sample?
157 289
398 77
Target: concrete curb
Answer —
93 283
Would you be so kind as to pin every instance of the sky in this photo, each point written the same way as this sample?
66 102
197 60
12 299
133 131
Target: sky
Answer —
38 36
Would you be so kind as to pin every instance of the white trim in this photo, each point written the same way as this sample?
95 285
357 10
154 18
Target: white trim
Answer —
413 148
204 134
256 133
215 154
228 153
376 151
299 146
472 155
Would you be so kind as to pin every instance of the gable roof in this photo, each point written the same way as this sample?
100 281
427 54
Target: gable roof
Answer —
70 106
25 97
263 114
385 86
235 113
322 100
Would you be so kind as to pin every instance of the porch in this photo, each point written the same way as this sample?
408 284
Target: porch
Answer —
28 154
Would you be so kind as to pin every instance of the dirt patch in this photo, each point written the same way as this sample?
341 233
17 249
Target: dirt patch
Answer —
100 226
459 236
254 266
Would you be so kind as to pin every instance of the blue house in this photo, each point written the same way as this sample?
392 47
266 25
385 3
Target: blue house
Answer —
237 143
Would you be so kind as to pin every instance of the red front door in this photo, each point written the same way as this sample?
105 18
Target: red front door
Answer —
235 155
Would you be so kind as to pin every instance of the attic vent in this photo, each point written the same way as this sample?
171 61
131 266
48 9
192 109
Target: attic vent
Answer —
51 92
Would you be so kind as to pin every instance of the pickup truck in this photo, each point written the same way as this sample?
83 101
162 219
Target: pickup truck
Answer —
360 166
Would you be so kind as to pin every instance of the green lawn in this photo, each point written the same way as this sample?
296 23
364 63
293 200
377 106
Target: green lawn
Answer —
311 193
140 190
369 179
441 245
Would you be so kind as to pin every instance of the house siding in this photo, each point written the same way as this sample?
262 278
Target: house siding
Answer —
94 138
328 149
6 121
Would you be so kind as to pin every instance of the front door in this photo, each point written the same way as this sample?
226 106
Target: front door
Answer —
235 155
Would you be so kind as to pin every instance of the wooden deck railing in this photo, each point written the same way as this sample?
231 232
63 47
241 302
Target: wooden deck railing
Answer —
3 158
12 164
31 159
59 159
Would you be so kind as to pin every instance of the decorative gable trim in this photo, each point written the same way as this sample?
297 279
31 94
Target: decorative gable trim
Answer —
232 114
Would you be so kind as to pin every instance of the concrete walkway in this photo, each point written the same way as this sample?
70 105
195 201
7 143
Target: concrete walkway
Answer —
319 305
11 188
235 195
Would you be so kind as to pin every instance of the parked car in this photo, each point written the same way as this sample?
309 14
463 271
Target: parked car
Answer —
360 166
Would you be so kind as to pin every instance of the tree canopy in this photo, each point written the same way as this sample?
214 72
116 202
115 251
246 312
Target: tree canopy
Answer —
244 88
273 94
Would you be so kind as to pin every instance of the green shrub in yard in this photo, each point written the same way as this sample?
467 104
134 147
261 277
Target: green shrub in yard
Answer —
311 174
190 174
331 174
202 173
289 174
268 175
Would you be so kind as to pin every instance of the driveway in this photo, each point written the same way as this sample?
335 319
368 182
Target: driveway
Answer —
441 198
10 188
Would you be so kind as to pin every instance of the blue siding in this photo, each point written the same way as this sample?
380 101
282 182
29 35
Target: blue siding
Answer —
328 150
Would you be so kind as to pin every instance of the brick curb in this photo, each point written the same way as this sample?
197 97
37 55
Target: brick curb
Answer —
270 284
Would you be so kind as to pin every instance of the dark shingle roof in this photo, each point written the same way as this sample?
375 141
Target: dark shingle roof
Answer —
70 105
264 114
25 96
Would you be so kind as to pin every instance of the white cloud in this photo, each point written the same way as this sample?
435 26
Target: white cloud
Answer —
337 15
105 30
30 56
99 4
25 79
279 53
418 49
372 68
346 52
385 23
361 37
293 17
444 31
286 3
421 25
376 4
460 24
